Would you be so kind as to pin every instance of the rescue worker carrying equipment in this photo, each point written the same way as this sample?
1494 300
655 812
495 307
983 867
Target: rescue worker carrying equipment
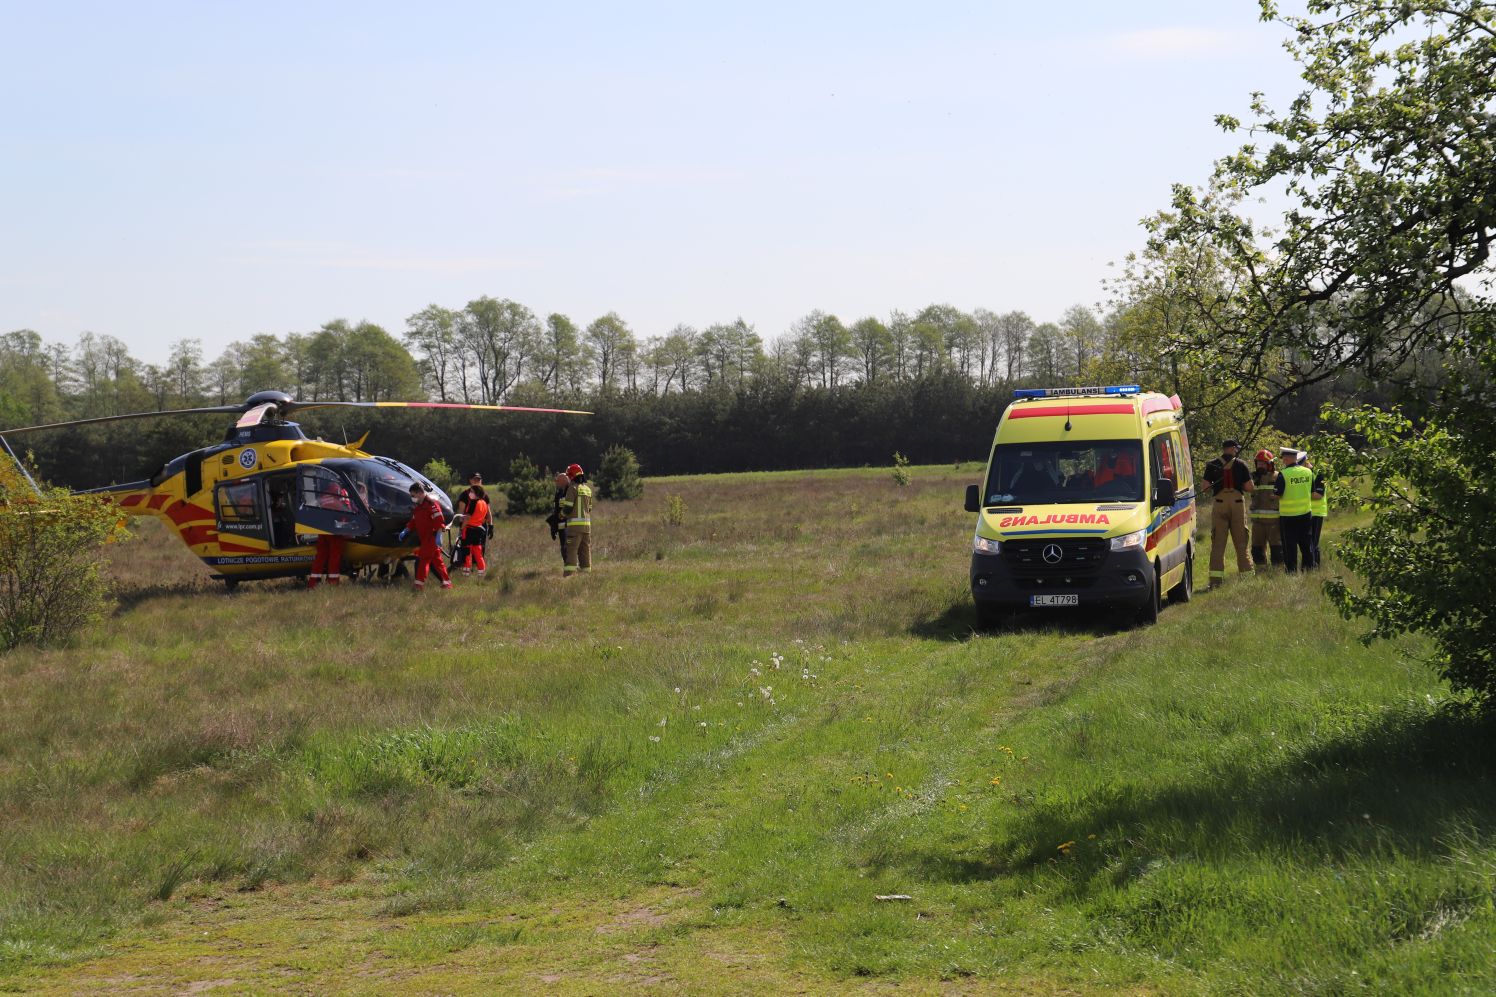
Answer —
474 530
427 522
557 519
327 562
1229 479
1296 487
577 507
1266 537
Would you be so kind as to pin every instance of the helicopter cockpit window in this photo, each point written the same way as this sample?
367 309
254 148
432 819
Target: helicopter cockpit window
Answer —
384 489
322 489
239 508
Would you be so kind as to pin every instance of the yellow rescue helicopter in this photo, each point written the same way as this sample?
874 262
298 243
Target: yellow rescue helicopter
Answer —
253 505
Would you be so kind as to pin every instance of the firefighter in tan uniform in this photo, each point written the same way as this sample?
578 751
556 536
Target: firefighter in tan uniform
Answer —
576 507
1267 539
1231 481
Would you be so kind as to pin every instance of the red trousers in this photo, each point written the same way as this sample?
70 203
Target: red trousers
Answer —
327 561
472 548
430 556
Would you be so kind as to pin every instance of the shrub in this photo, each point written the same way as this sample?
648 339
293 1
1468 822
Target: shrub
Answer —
528 491
440 473
675 511
50 586
618 475
900 469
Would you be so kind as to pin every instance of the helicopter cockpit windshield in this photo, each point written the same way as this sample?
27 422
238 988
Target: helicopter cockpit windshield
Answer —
383 486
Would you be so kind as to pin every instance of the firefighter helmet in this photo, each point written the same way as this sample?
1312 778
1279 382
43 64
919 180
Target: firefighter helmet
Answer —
1265 455
574 470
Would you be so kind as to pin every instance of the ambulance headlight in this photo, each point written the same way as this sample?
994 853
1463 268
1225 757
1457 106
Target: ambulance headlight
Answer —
982 545
1129 541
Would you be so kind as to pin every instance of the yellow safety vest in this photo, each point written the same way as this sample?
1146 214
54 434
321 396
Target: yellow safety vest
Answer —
579 503
1320 506
1297 483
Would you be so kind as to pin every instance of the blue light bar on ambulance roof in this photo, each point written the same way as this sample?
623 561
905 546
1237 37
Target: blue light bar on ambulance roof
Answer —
1110 389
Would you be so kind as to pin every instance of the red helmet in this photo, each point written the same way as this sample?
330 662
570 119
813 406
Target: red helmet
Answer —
574 470
1265 455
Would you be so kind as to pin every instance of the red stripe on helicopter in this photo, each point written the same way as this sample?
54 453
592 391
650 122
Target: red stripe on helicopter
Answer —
1053 410
183 513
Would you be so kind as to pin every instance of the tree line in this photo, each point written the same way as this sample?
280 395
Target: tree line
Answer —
826 392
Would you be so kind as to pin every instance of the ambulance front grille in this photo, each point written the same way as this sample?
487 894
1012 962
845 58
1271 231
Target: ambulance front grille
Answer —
1077 557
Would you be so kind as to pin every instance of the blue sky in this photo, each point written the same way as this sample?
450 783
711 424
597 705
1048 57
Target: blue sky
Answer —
217 170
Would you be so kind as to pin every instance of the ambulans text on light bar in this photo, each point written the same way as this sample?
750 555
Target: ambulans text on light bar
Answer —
1110 389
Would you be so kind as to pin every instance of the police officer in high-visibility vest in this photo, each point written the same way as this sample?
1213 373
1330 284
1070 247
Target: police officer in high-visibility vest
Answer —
1319 507
577 508
1267 540
1230 479
1296 487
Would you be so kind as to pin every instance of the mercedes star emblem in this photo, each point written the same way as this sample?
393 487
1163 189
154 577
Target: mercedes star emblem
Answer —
1053 554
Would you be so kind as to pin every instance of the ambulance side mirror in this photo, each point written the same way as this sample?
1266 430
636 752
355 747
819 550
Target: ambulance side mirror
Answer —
1163 492
973 499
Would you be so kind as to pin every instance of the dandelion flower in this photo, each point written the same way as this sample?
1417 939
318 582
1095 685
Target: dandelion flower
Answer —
997 780
655 739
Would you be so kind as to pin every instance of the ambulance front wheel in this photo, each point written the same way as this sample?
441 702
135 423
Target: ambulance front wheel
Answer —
1185 590
990 616
1149 613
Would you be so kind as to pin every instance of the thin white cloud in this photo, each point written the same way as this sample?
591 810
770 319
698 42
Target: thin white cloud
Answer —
1172 43
341 256
469 264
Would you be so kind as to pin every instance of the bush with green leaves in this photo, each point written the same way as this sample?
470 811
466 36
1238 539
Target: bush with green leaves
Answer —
528 491
50 586
900 469
618 475
1425 561
440 473
1380 258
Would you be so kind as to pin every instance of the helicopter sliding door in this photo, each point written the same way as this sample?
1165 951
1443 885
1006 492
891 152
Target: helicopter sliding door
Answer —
325 504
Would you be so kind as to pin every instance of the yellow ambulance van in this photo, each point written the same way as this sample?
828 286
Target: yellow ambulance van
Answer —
1088 501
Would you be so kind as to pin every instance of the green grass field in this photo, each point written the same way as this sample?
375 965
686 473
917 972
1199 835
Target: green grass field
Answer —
696 770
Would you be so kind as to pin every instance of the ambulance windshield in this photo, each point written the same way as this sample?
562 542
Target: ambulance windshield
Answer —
1066 473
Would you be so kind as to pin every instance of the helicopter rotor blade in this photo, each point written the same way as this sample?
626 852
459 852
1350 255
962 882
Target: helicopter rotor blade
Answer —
210 410
29 479
297 406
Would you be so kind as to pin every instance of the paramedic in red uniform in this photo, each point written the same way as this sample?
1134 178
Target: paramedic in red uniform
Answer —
427 522
327 562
